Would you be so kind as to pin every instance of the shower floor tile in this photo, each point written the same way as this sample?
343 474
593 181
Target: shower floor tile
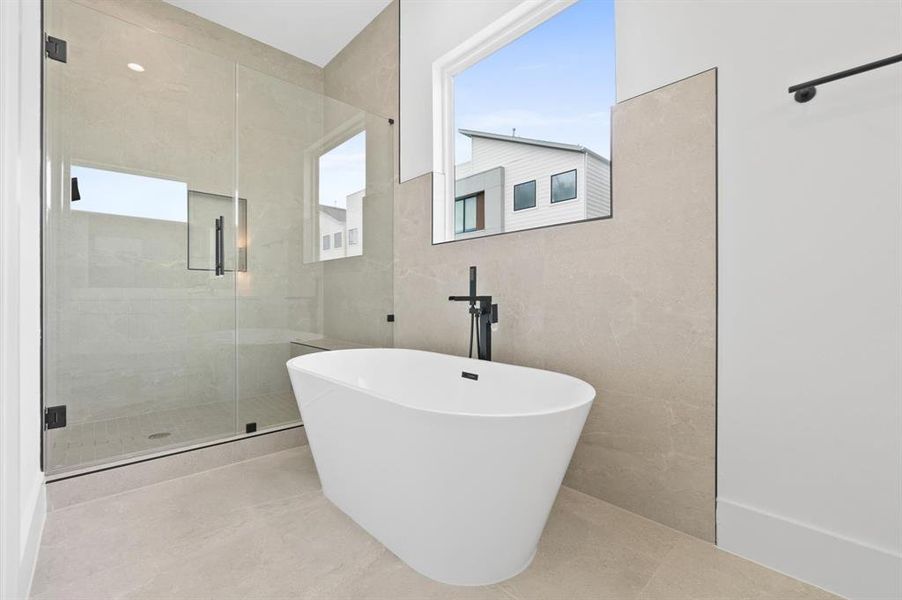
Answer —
95 443
262 529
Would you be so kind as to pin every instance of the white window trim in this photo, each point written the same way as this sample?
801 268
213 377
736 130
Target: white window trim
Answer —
331 139
513 24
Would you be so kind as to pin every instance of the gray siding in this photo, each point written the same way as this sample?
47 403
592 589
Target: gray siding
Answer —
490 182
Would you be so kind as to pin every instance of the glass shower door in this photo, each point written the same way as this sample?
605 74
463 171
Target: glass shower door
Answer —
316 176
140 241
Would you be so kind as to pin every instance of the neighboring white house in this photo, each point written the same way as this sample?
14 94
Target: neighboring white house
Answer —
341 229
513 183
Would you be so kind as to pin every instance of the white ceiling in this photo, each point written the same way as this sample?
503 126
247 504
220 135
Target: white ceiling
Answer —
314 30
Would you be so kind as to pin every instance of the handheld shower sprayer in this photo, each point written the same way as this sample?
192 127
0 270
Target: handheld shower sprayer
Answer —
482 314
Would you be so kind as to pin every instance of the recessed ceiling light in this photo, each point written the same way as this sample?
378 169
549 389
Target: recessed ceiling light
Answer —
136 67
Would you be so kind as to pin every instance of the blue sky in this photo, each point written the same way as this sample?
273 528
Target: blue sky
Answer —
554 83
342 171
128 195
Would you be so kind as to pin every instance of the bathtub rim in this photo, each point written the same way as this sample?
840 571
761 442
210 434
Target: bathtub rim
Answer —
563 409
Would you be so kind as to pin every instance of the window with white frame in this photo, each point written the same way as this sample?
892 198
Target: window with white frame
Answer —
340 188
523 113
353 236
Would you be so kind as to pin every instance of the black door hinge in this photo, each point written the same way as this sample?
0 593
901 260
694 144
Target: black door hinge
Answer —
55 417
55 48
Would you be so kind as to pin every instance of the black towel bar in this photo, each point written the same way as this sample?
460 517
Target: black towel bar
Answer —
806 91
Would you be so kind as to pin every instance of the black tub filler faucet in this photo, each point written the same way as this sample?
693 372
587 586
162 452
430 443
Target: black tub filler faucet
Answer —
482 314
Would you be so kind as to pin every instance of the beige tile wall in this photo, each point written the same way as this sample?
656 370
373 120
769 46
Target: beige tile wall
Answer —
365 73
279 297
188 28
626 304
359 289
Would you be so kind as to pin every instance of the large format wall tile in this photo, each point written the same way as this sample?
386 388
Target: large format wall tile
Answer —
628 304
365 73
359 289
186 27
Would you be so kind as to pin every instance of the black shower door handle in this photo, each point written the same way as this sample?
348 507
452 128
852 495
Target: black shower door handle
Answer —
220 249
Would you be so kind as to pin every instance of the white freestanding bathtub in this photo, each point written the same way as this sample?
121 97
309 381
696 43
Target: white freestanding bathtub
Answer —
452 463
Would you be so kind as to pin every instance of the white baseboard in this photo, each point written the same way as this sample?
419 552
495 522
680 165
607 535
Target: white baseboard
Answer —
33 542
835 563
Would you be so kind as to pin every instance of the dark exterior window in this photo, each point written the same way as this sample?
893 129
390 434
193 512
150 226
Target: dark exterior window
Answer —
469 213
327 242
352 237
563 186
525 195
338 239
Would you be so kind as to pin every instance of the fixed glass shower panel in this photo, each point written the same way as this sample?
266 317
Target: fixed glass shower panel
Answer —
311 168
139 330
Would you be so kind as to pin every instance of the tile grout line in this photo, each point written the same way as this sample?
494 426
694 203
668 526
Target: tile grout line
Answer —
503 588
682 534
654 572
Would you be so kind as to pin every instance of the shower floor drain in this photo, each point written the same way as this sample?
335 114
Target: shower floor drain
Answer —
159 436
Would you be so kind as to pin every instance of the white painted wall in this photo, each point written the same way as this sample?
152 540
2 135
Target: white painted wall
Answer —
22 495
810 273
429 30
312 30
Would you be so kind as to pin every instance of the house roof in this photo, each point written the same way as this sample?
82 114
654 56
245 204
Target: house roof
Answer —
542 143
339 214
